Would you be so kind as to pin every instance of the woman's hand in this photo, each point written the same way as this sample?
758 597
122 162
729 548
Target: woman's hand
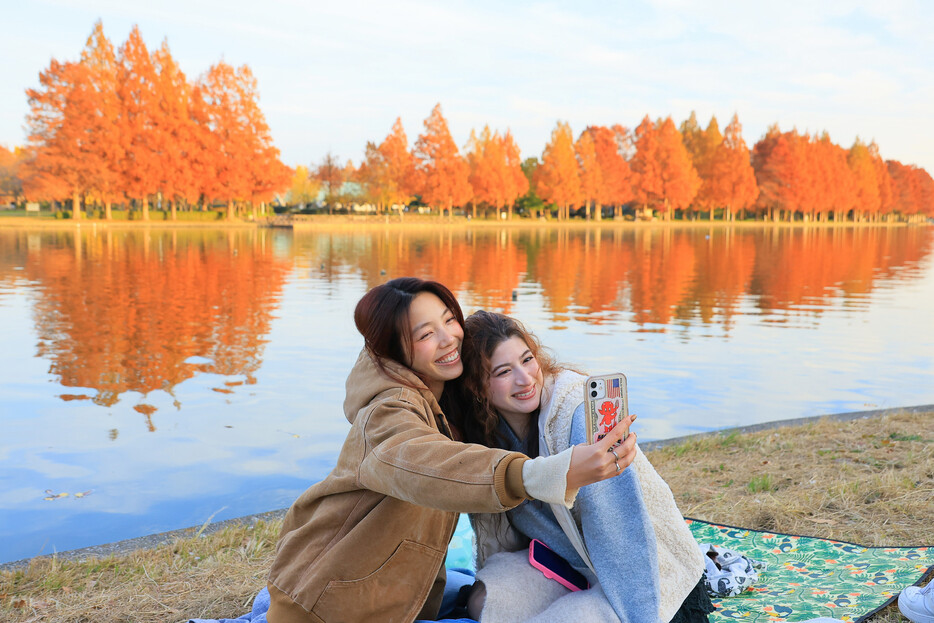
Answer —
602 459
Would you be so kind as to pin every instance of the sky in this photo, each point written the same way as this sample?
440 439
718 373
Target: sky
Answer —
334 75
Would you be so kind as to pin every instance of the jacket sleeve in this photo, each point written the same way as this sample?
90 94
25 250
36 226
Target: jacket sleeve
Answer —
407 459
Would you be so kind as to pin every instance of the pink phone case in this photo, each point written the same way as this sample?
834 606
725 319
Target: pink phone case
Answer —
549 573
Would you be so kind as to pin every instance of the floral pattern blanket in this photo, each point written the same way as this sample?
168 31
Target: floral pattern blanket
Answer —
805 577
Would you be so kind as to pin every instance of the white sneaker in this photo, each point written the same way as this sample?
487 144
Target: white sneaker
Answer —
917 604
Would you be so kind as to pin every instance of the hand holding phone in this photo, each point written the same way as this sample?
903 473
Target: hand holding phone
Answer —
606 402
555 567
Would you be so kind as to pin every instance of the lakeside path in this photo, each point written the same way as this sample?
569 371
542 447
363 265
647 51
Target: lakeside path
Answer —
864 477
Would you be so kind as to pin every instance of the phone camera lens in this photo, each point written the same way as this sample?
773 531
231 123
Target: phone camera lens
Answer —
593 384
593 394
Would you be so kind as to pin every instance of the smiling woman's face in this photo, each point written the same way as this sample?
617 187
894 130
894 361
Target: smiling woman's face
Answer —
516 379
436 341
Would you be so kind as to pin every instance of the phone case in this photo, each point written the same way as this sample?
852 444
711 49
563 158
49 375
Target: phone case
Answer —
556 568
606 403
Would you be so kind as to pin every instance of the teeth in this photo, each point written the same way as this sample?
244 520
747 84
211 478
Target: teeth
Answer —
450 358
527 394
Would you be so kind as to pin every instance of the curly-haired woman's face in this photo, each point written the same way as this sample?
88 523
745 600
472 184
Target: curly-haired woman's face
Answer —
516 379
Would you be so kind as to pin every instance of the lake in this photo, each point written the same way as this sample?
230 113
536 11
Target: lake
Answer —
164 377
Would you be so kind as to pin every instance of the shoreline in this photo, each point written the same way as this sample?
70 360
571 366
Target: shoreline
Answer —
312 223
151 541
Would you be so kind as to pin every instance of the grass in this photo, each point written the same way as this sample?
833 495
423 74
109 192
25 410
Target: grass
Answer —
865 481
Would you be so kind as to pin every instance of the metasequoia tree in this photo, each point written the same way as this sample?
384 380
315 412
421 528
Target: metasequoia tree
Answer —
615 174
646 165
680 181
140 125
104 124
399 181
557 178
53 169
591 178
732 181
442 173
246 163
495 170
702 146
868 198
400 163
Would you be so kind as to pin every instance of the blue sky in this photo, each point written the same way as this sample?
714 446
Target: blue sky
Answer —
335 75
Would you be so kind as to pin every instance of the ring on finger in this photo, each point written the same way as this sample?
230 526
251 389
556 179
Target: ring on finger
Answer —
614 453
617 466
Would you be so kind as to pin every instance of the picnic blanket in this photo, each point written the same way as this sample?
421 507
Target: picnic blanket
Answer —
806 577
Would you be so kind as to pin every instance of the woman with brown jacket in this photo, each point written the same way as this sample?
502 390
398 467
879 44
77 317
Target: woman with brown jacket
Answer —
368 542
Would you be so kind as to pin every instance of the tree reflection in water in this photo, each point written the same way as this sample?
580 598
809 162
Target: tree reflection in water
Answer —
127 311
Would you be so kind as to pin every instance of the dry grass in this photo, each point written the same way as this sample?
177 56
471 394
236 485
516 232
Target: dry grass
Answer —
866 481
213 576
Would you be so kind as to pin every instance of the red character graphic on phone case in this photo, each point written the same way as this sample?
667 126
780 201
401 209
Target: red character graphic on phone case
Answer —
608 410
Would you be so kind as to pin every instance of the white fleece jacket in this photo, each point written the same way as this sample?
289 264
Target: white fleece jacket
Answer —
679 560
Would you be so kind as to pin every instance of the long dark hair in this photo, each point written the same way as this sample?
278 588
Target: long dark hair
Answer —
382 318
484 331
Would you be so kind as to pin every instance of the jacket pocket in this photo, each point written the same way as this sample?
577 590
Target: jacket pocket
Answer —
396 591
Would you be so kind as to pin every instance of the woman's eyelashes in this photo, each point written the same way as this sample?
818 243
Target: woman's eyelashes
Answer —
447 320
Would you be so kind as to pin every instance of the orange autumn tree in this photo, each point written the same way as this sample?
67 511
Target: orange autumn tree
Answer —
50 170
400 164
702 146
557 178
177 138
101 61
615 173
591 178
442 173
140 122
868 197
680 181
646 165
246 165
389 169
732 181
495 170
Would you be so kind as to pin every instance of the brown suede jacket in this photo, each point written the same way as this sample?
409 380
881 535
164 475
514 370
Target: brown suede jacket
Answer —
368 542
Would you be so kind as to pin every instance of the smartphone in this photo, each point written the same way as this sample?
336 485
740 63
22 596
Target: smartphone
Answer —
555 567
606 402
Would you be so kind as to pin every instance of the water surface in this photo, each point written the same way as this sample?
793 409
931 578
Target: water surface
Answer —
165 377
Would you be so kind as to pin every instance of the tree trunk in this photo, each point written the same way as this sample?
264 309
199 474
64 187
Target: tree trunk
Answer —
173 210
76 206
108 215
144 206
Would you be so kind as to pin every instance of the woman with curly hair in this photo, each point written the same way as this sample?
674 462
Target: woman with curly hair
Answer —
626 535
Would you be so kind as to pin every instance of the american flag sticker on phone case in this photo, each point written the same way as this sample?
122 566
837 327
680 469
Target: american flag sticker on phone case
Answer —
612 388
